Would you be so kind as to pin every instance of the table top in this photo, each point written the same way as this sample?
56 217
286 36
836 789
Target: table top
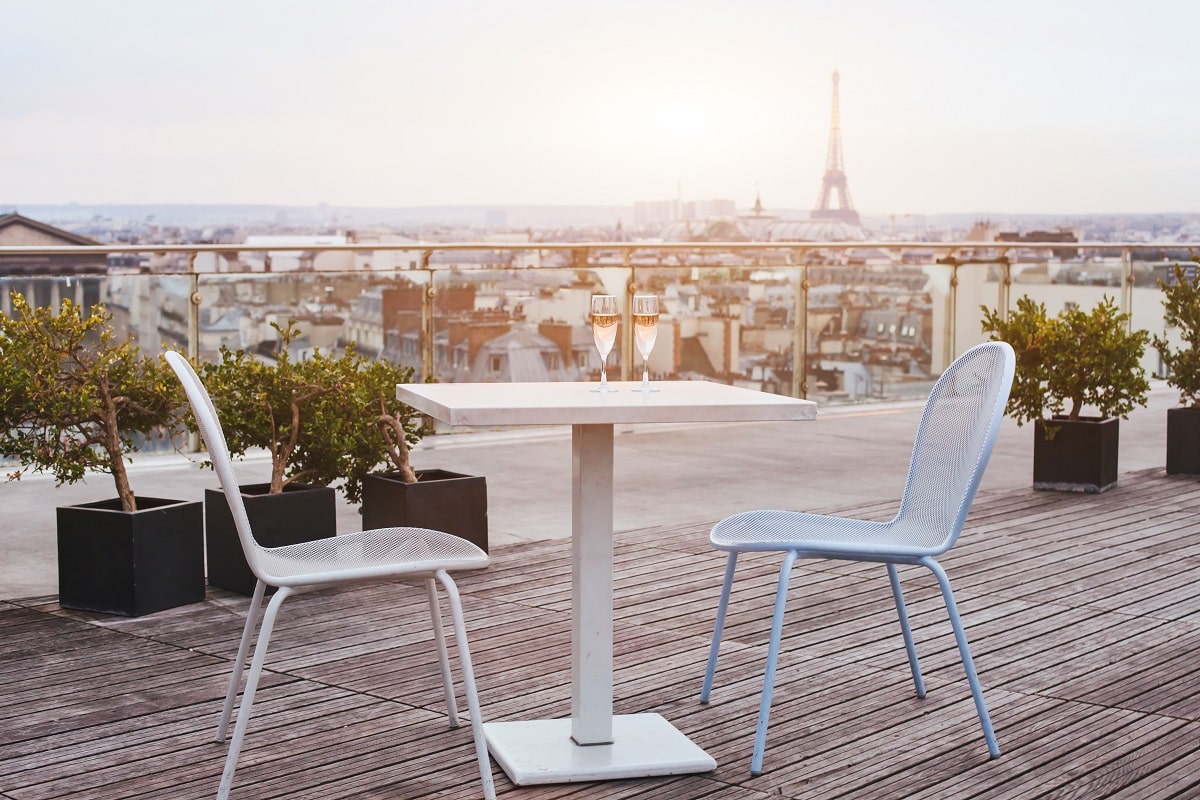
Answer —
573 403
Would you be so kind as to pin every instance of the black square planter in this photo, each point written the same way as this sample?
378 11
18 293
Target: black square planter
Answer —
297 514
1183 441
1082 456
441 500
130 563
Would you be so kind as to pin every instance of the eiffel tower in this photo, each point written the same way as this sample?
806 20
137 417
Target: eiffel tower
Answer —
834 181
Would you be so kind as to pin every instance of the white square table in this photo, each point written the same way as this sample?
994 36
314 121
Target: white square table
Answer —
594 744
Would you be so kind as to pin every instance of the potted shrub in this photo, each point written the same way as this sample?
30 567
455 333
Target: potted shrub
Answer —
1181 304
293 408
75 401
400 496
1067 364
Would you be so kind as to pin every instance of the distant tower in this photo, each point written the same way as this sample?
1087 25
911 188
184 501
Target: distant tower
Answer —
835 173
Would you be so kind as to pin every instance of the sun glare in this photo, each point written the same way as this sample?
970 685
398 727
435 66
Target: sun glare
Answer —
673 120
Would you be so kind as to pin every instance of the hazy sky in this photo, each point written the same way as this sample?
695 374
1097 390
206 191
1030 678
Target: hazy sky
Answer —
1071 106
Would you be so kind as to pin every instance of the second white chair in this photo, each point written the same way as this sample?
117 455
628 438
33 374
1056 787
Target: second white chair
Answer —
954 440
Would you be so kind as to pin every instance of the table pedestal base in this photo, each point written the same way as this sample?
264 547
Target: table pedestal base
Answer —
542 751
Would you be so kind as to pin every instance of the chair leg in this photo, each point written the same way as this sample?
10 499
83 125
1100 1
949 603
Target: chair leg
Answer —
913 664
764 705
260 655
435 610
718 628
239 664
964 651
464 657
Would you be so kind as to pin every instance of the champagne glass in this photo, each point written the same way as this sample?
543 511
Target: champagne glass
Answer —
645 331
604 330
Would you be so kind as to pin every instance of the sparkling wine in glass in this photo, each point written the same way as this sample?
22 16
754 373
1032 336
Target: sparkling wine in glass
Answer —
645 331
604 330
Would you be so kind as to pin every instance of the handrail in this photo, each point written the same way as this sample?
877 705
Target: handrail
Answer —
999 248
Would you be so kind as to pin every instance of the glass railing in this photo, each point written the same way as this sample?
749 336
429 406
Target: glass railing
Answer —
834 323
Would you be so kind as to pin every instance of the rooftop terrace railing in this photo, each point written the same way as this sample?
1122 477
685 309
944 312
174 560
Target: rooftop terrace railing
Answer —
834 322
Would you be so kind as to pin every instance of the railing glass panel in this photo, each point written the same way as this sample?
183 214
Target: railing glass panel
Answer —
835 324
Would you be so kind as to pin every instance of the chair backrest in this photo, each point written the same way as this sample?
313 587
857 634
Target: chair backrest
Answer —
954 442
218 454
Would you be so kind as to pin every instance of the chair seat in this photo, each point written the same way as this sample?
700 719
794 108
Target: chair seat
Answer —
378 553
822 535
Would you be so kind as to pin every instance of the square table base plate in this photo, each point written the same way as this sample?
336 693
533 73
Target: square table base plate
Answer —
644 745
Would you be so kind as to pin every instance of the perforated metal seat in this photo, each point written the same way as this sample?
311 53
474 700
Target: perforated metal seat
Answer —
954 441
351 558
364 555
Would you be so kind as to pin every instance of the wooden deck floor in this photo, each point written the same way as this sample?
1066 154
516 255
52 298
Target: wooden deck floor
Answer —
1083 613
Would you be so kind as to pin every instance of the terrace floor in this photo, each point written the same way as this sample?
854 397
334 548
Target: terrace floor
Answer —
1083 613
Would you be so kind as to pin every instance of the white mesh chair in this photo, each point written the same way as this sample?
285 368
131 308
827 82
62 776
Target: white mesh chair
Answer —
954 440
349 558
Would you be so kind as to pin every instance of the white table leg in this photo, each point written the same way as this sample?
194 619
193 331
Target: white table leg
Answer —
592 744
591 584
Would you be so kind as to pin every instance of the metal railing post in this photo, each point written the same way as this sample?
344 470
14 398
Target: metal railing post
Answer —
193 319
427 327
627 317
1004 288
800 332
1127 286
950 349
194 443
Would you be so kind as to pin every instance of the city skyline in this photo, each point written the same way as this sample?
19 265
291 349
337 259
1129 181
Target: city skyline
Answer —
1061 108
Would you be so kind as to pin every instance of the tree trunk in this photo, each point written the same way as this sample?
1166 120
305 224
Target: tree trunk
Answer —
278 463
397 444
121 477
111 442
